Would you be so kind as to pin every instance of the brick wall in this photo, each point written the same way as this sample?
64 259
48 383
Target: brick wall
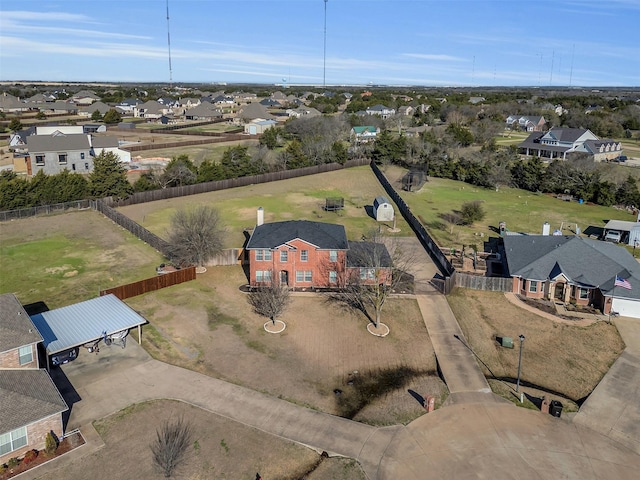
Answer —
36 434
11 359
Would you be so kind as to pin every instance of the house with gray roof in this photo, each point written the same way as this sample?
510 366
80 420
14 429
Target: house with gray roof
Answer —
556 143
306 254
381 111
203 111
30 403
527 123
573 269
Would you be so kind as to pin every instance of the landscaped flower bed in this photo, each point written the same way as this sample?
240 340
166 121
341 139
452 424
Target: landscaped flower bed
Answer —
33 458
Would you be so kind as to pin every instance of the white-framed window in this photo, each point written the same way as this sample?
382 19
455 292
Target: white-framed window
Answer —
367 273
39 159
584 294
26 355
333 255
263 275
62 158
13 440
333 276
81 155
304 255
304 275
533 286
284 255
259 255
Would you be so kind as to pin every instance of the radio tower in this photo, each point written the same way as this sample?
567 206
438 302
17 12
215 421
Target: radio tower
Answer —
324 64
169 46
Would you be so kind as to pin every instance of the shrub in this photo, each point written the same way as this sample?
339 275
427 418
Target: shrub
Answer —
170 446
30 456
472 212
50 443
13 462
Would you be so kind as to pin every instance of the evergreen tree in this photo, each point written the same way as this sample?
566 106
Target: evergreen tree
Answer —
112 116
109 177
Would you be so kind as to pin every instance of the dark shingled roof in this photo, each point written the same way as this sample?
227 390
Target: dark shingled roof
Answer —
368 254
566 134
586 262
27 396
326 236
16 328
58 143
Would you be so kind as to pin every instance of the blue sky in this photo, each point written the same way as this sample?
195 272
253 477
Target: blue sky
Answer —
397 42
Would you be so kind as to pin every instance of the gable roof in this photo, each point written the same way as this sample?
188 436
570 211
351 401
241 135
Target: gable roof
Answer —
27 396
368 254
16 328
364 129
326 236
569 135
255 110
590 263
104 142
51 143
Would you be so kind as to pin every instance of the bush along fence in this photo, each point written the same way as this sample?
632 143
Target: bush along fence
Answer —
427 242
173 192
151 284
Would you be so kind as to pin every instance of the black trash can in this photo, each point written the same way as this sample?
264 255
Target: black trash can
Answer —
555 408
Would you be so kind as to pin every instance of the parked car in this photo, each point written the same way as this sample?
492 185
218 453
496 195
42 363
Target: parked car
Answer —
66 356
613 236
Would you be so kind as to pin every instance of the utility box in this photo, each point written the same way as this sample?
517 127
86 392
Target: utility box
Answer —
544 407
555 408
507 342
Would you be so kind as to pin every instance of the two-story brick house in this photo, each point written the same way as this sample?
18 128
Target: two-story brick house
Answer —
30 404
304 254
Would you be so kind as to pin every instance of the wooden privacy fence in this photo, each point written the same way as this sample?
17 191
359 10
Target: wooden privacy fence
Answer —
173 192
185 143
427 242
476 282
151 284
229 256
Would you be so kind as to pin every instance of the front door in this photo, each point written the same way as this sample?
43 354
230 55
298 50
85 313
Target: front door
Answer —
284 278
558 293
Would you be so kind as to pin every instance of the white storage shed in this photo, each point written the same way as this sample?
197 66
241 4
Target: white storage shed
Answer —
383 210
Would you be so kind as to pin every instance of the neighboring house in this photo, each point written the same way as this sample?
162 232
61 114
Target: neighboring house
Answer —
99 106
101 144
270 103
203 111
128 104
526 122
381 111
259 126
189 102
304 254
18 140
254 111
30 404
476 100
556 143
304 112
364 134
406 110
57 107
84 97
11 104
223 100
416 131
572 269
151 109
54 153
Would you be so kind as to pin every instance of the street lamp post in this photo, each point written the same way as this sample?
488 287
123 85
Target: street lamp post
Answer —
521 337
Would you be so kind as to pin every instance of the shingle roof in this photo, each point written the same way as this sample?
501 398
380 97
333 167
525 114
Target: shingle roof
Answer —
368 254
586 262
51 143
566 134
326 236
27 396
16 328
104 142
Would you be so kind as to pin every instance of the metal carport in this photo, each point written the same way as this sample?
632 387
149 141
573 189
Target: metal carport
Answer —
75 325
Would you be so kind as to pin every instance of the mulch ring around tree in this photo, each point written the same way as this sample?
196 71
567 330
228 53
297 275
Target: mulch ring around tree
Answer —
67 444
380 331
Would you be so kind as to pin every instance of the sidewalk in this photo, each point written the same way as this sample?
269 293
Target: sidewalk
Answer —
582 320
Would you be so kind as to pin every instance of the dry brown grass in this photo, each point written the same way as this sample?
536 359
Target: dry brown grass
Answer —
222 449
557 357
207 325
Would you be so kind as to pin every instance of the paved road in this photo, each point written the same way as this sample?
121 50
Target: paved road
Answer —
613 408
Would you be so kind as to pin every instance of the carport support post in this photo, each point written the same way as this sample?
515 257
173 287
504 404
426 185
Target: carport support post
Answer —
139 335
521 337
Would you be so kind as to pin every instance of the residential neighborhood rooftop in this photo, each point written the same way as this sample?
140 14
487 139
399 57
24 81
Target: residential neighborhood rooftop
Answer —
323 235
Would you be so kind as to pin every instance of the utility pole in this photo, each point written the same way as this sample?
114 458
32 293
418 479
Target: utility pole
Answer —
169 46
324 63
519 363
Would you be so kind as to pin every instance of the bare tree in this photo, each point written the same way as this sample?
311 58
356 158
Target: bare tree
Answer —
196 235
269 300
170 446
375 268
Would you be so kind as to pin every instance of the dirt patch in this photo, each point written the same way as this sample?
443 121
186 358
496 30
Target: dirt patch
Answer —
221 448
320 347
557 357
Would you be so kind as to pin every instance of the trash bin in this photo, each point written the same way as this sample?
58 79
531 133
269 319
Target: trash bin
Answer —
507 342
555 408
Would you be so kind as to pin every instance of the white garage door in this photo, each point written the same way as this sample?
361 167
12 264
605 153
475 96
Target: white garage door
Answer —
626 308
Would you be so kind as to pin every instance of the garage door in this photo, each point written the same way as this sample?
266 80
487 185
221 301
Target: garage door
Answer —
626 308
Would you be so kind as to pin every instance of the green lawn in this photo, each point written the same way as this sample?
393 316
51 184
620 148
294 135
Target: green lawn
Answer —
295 199
523 211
